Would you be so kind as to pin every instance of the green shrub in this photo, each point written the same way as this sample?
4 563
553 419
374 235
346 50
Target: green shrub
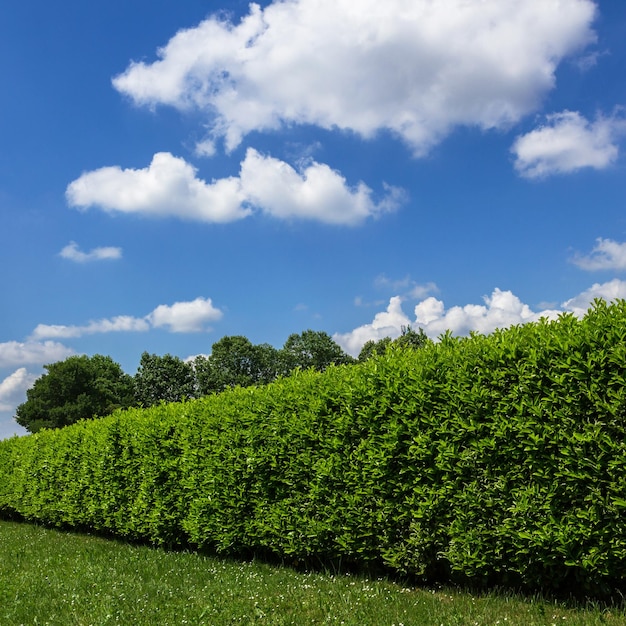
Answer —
495 459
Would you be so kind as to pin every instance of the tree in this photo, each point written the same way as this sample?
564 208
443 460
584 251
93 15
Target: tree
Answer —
80 387
374 348
163 379
410 338
312 349
235 360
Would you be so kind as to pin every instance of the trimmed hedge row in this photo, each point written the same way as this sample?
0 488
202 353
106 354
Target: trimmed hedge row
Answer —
496 459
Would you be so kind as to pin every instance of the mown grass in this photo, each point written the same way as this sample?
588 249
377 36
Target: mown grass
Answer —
59 578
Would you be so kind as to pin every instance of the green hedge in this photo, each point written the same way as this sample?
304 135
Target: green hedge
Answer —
495 459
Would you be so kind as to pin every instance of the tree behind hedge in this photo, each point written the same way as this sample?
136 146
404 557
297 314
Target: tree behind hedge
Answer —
312 349
409 338
163 379
80 387
235 361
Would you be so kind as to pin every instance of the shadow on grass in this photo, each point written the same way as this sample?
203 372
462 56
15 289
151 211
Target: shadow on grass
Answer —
609 597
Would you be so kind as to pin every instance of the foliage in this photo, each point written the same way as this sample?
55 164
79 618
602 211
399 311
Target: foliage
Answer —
496 460
235 361
83 387
409 338
52 577
312 349
80 387
163 379
373 348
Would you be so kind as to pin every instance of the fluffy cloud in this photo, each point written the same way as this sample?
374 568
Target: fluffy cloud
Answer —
9 427
566 143
13 388
606 255
500 310
316 192
169 186
614 289
416 68
73 253
184 317
14 353
121 323
387 323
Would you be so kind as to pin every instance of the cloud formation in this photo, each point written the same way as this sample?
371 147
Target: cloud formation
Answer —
185 317
606 255
169 187
180 317
415 68
566 143
386 323
120 323
14 353
316 192
73 253
612 290
14 387
500 310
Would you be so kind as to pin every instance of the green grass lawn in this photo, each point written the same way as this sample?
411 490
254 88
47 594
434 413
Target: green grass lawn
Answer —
58 578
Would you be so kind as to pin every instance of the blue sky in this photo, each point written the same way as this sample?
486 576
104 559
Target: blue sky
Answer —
171 173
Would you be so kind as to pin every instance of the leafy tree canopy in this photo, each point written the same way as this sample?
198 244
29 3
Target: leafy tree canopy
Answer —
163 379
80 387
235 360
312 349
409 338
373 348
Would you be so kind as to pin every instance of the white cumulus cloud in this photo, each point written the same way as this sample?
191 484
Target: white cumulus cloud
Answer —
14 353
612 290
120 323
606 255
566 143
73 253
499 310
170 187
185 317
315 192
387 323
13 388
416 68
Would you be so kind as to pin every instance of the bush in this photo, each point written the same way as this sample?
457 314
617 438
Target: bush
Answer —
495 460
